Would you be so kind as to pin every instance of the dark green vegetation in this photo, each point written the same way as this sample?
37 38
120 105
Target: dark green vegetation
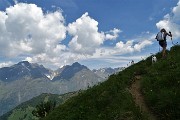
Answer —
161 86
24 110
107 101
44 108
112 100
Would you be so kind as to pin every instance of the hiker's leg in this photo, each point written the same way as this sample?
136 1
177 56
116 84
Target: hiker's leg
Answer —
161 43
164 51
164 45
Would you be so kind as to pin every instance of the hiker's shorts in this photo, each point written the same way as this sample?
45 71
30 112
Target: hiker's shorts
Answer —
163 43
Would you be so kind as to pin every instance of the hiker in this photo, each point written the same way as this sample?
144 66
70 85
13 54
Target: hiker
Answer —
161 37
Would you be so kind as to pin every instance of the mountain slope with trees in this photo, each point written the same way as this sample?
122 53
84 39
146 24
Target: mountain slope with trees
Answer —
23 81
24 110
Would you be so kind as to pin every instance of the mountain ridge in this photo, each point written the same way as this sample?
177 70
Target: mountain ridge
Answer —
21 70
26 69
26 80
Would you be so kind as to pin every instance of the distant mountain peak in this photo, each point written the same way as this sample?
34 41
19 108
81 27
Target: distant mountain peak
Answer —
76 64
67 72
26 63
23 69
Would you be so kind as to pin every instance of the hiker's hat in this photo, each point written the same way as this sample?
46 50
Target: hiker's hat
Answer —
163 30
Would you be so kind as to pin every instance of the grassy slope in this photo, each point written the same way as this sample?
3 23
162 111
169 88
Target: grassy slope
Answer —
111 100
161 86
24 110
108 101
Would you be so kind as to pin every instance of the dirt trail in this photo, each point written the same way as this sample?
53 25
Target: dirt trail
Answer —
139 99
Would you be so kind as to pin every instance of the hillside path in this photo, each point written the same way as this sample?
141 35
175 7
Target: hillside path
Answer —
139 99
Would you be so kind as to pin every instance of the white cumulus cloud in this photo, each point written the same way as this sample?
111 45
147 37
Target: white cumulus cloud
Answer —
6 64
114 34
171 22
125 47
86 37
130 46
24 28
141 45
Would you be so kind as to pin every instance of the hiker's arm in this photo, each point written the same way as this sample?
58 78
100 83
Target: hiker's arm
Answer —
156 37
169 34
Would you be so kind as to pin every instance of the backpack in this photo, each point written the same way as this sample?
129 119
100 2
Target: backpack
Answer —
160 36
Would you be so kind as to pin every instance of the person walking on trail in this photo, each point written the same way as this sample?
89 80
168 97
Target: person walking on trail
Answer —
161 37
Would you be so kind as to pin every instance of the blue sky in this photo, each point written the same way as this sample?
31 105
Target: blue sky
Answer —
96 33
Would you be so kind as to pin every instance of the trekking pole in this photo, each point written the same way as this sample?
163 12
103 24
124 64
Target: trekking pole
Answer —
173 42
172 39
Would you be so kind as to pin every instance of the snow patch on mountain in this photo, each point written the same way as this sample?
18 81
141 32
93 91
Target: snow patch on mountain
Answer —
25 66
